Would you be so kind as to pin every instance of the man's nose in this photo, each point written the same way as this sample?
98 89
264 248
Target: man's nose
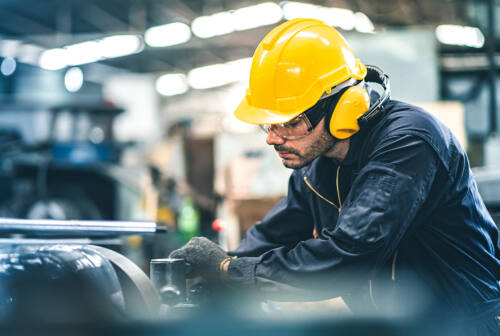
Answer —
274 139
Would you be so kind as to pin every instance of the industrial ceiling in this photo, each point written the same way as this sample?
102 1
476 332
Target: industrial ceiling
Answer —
56 23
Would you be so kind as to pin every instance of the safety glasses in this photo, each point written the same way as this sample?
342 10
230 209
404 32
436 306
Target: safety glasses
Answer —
296 128
304 123
300 126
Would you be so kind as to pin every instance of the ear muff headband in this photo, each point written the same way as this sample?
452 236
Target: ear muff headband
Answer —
376 75
350 108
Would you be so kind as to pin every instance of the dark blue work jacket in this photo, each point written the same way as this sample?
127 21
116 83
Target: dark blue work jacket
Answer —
397 227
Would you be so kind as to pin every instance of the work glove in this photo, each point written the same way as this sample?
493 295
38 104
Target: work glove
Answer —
203 258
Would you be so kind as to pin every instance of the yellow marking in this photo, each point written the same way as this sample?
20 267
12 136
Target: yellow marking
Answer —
394 265
319 195
338 189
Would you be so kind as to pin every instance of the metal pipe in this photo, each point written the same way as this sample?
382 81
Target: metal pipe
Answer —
492 73
78 227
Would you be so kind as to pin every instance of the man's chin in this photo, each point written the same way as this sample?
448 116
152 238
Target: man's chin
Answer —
293 164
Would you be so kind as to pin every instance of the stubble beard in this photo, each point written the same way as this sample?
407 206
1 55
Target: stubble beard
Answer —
324 144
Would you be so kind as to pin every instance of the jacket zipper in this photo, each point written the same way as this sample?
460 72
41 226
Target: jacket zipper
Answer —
338 207
393 277
394 265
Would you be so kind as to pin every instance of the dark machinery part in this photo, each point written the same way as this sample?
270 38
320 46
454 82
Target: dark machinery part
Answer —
169 277
78 227
179 294
141 297
57 284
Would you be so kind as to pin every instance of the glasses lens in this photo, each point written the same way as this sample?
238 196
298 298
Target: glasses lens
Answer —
294 129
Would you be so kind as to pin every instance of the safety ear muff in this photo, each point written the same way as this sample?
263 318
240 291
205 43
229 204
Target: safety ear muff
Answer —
343 121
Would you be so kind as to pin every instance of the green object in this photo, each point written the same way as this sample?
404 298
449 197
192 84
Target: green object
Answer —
189 220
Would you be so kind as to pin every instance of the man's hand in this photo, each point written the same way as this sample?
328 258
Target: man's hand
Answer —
203 256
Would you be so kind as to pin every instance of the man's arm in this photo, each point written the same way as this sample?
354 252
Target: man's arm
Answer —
285 225
382 203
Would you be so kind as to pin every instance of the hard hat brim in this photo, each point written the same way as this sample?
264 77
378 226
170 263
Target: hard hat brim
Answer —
258 116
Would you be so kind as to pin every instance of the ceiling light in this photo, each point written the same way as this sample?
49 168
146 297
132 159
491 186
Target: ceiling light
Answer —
81 53
168 35
171 84
336 17
362 23
219 74
53 59
241 19
208 77
120 45
29 53
257 16
8 66
73 79
460 35
239 70
9 48
213 25
90 51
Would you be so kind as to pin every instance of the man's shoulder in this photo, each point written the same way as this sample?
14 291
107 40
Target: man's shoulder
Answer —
404 116
403 119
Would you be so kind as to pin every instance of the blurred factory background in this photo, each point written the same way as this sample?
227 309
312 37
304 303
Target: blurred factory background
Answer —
122 109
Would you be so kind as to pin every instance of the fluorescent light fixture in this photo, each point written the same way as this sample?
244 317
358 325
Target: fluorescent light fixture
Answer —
241 19
219 74
73 79
29 53
120 45
53 59
8 66
9 48
91 51
460 35
239 70
336 17
168 35
81 53
171 84
208 77
213 25
362 23
263 14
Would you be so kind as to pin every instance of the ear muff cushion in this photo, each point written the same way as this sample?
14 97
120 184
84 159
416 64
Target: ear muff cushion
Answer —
352 104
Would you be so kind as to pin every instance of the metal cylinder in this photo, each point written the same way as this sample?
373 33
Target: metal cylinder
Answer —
169 277
76 227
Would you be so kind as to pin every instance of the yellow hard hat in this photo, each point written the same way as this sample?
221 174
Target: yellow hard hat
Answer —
293 66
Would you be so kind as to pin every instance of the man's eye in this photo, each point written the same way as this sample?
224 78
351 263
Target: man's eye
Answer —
291 124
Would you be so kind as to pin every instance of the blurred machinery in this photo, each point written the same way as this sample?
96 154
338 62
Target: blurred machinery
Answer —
54 281
73 174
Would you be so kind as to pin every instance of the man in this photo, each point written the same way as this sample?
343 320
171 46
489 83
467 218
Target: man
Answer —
382 208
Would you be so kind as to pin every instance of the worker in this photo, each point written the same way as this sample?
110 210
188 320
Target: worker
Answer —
382 208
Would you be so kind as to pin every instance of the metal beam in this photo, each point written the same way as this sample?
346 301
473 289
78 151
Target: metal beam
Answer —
103 20
491 41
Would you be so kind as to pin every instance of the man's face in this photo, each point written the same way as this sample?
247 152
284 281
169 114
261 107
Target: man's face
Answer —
297 153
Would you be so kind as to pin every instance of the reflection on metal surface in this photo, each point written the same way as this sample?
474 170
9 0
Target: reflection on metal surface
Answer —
78 227
141 297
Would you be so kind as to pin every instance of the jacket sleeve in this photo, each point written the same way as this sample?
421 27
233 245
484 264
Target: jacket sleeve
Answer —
284 226
382 202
